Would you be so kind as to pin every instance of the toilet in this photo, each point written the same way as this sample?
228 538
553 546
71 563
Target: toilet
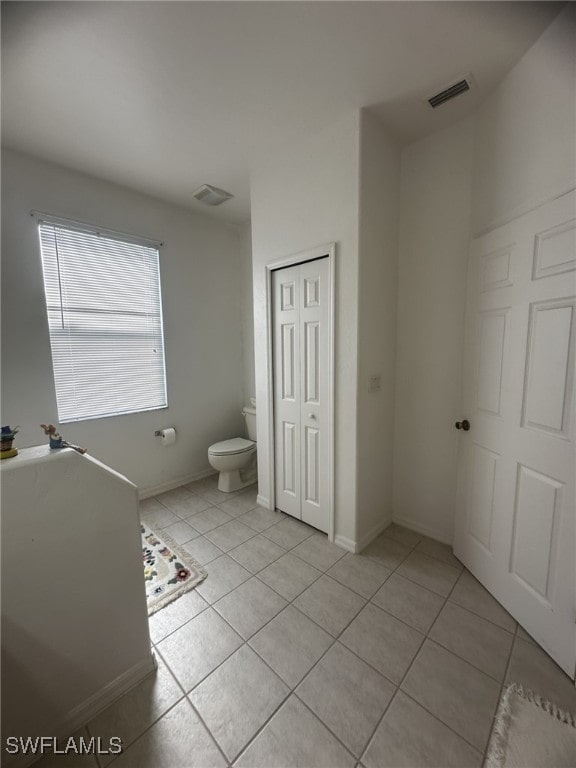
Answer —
235 459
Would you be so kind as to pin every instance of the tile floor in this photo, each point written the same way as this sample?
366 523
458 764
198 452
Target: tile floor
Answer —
295 653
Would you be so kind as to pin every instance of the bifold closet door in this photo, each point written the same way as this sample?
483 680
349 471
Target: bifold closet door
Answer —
286 356
301 321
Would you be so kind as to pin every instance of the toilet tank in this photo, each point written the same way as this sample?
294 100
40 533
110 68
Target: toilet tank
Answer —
250 416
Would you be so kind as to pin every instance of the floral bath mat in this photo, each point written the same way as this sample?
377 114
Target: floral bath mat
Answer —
168 572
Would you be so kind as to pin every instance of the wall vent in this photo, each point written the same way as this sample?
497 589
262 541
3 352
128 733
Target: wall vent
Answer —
210 195
449 93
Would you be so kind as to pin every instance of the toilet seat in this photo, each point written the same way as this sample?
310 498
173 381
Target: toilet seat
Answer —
230 447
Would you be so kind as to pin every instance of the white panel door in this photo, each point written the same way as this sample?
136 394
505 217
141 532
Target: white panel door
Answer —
287 398
301 321
515 523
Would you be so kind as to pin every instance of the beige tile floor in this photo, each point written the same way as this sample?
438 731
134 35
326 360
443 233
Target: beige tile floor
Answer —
295 653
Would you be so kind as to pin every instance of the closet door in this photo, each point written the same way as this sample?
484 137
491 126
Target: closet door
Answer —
286 313
301 316
314 392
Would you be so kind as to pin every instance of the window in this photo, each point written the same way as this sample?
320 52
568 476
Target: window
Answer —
105 320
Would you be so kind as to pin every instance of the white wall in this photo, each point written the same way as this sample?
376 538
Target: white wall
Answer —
304 197
200 272
523 151
247 307
378 241
525 146
434 234
515 152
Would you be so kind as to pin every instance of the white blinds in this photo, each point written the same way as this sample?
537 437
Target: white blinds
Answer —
105 320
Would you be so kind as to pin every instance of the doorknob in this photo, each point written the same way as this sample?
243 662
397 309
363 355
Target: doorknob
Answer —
311 416
465 425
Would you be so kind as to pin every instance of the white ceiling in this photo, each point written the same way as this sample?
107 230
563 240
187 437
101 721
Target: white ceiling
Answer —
165 96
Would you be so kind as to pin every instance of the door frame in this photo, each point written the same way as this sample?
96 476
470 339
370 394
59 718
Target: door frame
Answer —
322 251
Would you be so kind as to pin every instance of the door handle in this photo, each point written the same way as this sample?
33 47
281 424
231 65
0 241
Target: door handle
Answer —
464 424
311 416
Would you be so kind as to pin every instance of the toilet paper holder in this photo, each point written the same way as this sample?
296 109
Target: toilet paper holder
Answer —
167 435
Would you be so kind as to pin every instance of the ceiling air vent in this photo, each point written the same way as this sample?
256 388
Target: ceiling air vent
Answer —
449 93
210 195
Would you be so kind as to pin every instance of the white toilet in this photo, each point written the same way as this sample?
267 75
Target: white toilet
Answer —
235 459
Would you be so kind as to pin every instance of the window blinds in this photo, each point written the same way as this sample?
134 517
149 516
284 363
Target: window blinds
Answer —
105 320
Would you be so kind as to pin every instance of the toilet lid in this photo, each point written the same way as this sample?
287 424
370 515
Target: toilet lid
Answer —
227 447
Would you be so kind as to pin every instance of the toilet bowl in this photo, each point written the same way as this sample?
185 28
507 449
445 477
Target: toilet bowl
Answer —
235 459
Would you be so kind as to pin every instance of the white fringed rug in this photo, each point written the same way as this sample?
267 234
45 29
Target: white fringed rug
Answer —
530 732
168 571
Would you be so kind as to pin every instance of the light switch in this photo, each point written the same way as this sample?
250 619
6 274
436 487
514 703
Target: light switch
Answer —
374 383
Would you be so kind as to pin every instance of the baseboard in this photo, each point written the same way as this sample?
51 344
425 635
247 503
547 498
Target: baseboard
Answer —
372 534
345 543
357 546
264 501
89 709
446 537
145 493
86 711
439 534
